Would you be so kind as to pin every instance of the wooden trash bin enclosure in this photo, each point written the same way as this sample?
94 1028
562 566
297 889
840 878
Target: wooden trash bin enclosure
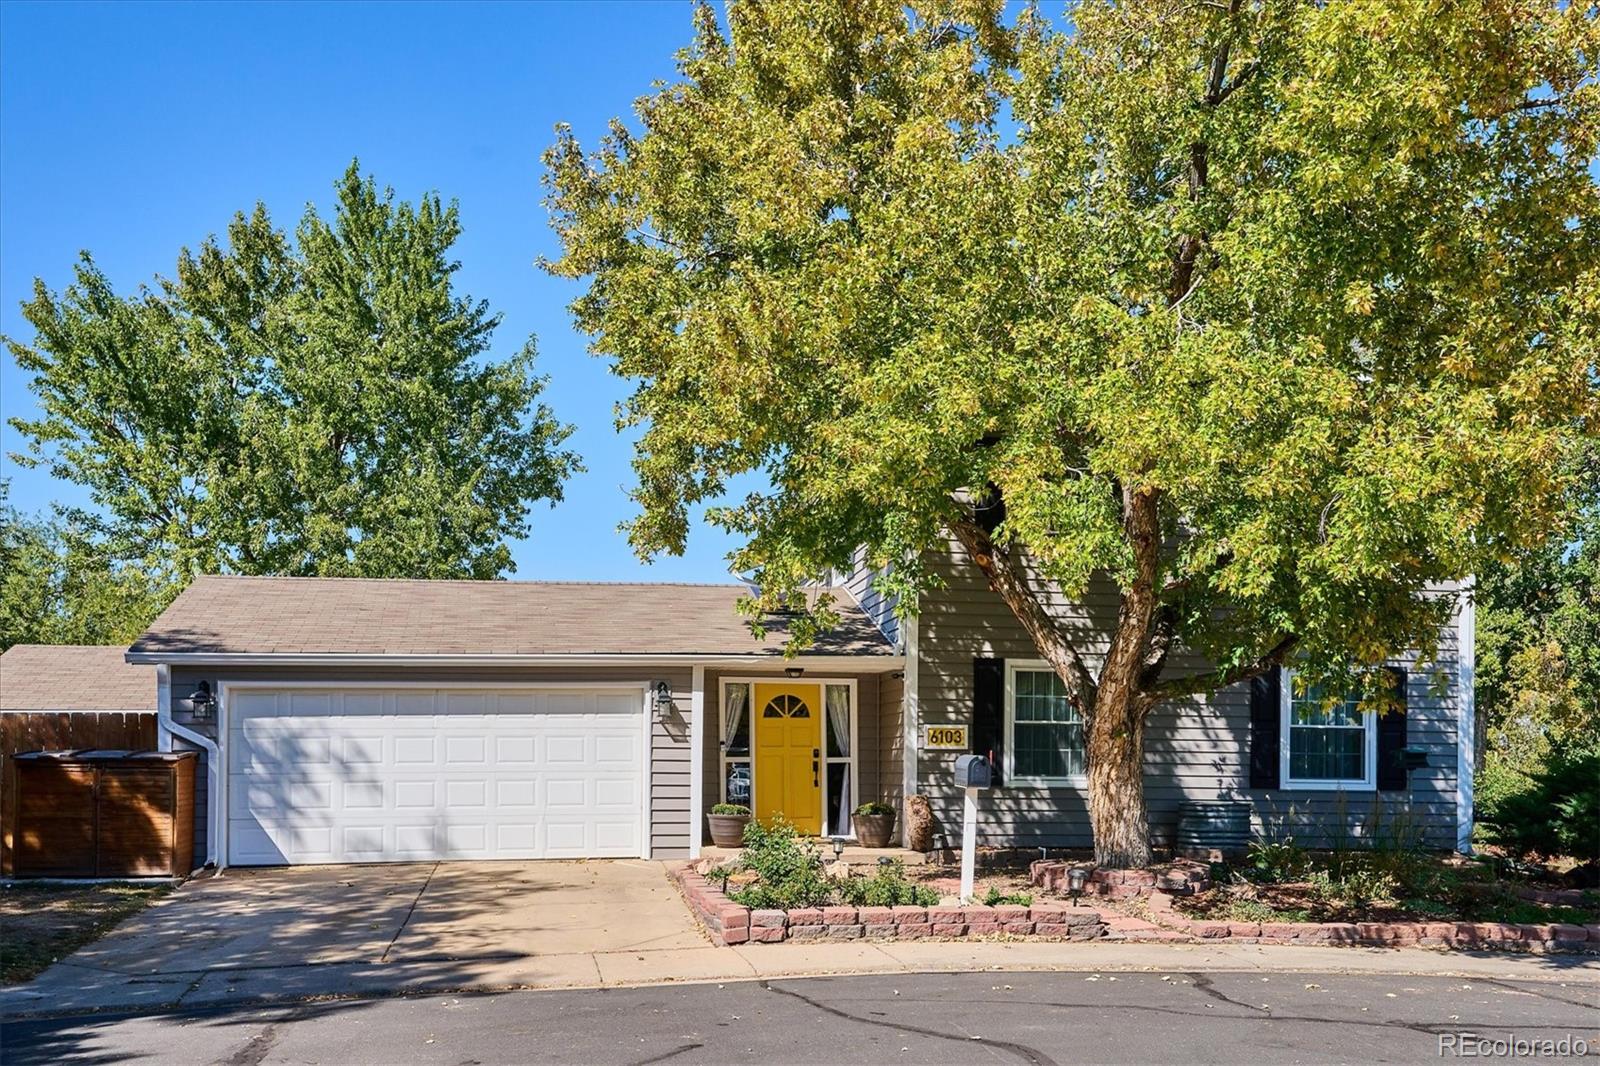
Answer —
101 813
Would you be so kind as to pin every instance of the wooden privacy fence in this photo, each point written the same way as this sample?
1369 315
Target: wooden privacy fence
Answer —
53 731
42 730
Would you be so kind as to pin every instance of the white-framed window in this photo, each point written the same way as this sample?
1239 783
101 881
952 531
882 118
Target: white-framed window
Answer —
1326 744
1044 729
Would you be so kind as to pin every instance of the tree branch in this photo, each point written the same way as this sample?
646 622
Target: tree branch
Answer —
1005 577
1214 680
1246 72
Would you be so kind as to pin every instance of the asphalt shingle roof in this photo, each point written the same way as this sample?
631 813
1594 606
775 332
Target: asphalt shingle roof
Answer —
74 677
359 616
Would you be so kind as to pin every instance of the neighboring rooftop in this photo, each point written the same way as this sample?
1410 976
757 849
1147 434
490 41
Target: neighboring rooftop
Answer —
360 616
74 677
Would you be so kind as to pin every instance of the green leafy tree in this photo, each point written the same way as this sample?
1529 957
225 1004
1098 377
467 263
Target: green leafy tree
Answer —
57 586
1538 680
1277 315
321 405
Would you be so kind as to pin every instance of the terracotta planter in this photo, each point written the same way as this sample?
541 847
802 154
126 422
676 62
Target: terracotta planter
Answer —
727 830
873 830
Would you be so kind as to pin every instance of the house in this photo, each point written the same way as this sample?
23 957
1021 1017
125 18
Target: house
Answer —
352 720
74 679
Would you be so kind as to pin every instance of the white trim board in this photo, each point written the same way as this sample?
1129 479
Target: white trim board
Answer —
1466 712
697 758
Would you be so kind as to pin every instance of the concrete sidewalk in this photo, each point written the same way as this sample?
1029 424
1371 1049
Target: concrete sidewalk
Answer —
87 990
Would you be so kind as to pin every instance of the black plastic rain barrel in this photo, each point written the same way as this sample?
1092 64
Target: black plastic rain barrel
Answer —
1213 829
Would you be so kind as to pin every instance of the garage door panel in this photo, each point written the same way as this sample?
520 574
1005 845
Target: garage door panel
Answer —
416 795
383 775
469 750
517 836
616 751
622 703
612 793
410 751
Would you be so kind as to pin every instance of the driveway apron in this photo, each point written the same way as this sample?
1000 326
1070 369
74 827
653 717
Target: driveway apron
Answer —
369 928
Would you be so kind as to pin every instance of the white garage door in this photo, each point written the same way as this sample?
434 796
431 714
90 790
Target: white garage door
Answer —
390 775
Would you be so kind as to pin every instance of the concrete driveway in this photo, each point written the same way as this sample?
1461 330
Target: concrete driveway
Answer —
316 930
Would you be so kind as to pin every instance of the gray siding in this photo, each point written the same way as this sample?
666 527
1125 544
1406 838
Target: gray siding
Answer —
876 606
669 741
878 727
890 758
1198 749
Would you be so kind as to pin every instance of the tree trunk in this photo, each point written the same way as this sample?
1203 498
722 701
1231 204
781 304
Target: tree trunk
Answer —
1117 811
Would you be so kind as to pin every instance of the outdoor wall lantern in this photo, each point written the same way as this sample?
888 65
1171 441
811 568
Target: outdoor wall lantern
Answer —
203 702
793 671
663 698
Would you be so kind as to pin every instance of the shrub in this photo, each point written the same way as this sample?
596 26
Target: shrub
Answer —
737 809
874 809
994 898
1358 887
1556 813
788 869
1276 860
888 887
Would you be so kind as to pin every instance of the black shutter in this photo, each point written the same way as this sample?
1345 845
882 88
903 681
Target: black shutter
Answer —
1392 737
989 711
1265 723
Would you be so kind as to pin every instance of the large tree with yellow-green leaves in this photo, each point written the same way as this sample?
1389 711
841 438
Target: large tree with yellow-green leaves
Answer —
1279 314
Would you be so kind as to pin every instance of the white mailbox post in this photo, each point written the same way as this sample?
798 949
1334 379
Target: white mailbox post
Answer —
972 773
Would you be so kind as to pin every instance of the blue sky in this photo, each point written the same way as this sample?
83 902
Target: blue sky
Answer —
131 130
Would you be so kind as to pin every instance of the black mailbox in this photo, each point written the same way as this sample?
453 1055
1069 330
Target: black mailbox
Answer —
973 771
1413 759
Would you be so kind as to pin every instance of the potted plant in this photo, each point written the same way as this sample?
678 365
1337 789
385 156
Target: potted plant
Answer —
874 824
727 822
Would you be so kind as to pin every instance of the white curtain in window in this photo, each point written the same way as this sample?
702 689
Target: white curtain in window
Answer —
839 716
838 700
737 699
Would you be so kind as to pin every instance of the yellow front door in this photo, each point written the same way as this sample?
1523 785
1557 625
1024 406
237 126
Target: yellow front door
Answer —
788 736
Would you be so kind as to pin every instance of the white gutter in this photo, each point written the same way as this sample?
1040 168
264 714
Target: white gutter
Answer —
166 729
858 663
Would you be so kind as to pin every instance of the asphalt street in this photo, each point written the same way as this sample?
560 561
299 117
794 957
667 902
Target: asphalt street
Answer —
926 1018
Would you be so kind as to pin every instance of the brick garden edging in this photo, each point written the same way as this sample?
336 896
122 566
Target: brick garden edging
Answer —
1497 936
1179 878
728 922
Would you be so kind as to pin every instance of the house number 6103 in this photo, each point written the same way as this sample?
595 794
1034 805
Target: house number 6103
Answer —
945 737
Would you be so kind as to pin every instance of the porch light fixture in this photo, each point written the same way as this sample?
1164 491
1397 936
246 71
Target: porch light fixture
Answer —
663 698
793 671
203 702
1077 879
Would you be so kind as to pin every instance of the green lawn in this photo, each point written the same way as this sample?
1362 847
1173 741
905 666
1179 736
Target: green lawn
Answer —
41 923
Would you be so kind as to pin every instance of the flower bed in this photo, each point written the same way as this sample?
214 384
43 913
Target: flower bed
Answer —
1503 936
729 922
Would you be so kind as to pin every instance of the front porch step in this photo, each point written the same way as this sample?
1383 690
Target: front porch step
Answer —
853 854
